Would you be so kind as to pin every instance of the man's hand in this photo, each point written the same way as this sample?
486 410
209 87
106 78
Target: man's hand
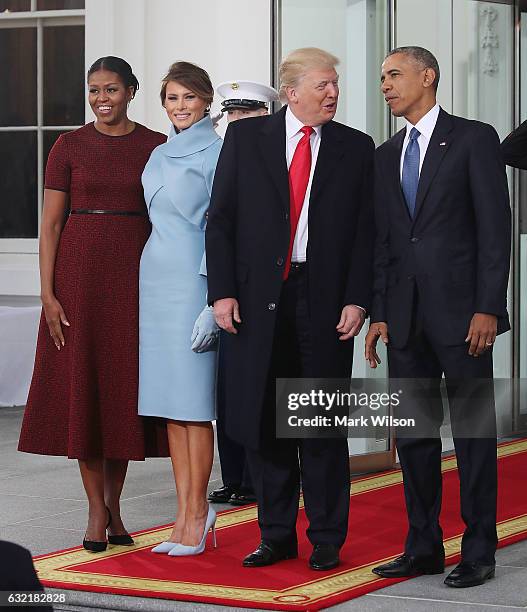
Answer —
481 333
351 321
225 310
376 331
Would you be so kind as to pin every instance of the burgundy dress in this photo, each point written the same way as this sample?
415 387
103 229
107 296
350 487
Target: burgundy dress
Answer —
83 399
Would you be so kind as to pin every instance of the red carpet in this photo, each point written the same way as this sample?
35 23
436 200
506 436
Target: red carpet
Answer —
376 534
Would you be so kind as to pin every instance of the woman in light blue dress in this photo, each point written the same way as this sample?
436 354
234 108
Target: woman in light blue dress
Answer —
175 382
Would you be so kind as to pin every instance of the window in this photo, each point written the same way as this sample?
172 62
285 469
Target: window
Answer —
42 97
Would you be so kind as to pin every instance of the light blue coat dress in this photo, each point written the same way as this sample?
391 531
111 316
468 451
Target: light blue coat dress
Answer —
174 382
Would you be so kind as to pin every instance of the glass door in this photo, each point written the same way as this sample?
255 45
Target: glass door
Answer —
484 89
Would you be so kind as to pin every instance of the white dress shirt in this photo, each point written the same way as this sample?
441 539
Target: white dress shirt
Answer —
425 126
293 136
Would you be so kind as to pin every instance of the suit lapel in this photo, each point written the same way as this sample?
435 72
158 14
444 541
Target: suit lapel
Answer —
273 148
437 147
274 139
394 164
329 153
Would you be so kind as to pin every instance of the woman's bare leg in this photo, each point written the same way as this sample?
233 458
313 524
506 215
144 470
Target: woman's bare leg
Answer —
114 475
179 455
200 438
92 474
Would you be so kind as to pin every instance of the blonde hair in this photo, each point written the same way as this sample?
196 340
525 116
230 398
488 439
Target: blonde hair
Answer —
295 65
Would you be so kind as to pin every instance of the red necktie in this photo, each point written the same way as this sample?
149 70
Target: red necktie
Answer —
298 179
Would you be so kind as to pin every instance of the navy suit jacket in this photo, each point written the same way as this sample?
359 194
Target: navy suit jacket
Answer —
455 252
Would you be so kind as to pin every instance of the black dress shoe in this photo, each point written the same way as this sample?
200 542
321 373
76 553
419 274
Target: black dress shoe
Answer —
242 499
405 565
268 553
324 557
221 495
469 575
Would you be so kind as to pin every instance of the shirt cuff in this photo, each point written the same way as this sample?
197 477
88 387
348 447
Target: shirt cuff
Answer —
357 306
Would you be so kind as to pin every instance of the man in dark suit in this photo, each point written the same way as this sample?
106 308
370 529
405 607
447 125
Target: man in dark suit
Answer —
289 247
440 298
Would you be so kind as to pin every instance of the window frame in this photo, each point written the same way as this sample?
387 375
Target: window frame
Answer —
39 20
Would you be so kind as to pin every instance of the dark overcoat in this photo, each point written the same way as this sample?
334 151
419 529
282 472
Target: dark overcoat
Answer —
247 241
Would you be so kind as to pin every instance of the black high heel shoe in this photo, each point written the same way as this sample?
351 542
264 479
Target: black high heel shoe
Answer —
124 539
121 540
95 545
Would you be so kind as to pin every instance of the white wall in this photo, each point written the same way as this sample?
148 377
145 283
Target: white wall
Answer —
19 274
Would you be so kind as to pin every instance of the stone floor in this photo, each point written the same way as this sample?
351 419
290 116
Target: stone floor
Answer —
42 507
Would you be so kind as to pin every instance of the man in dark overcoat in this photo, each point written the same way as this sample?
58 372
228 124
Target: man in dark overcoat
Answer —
289 248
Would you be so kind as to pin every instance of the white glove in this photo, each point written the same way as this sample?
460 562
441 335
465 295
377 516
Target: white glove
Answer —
216 119
205 333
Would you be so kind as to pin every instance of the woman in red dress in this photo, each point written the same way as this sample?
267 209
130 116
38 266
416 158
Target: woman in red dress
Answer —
83 397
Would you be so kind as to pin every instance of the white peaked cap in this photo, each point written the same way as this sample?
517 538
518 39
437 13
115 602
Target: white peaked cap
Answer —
241 93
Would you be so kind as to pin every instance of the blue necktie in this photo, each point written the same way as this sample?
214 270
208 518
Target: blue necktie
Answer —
410 180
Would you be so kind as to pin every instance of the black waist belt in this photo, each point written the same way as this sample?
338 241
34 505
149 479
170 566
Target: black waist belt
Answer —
123 213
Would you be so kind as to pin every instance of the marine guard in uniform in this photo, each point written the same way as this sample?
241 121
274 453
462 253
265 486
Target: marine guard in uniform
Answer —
243 99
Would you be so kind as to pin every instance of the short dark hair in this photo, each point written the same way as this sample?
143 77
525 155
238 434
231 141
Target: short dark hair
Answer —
119 66
422 56
190 76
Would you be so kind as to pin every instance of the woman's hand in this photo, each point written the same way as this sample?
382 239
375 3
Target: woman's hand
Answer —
55 318
53 216
205 333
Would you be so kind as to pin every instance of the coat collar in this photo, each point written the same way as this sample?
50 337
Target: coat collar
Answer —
197 137
272 145
395 149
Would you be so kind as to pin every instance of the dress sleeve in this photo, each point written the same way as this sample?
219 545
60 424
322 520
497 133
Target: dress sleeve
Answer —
58 167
